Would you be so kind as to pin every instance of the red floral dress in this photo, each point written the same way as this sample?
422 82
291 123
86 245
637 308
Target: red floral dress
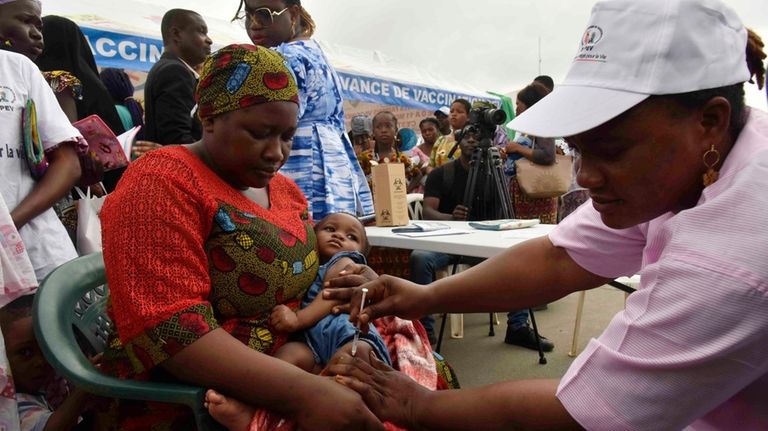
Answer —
185 254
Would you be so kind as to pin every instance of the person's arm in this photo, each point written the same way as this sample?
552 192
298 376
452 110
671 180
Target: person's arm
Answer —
315 402
65 417
59 140
285 319
67 104
140 148
541 272
543 152
62 174
395 397
430 209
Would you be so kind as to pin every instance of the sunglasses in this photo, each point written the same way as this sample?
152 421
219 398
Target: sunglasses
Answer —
264 16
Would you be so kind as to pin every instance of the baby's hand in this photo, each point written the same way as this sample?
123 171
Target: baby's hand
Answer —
284 319
96 360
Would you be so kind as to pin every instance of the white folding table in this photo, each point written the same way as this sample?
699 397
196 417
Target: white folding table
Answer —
477 243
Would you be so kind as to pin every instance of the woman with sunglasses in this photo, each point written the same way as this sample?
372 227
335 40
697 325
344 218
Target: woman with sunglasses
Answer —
323 161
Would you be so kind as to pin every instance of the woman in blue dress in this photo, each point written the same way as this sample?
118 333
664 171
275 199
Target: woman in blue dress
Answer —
322 160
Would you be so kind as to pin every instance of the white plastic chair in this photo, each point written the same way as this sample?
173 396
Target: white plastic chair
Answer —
415 208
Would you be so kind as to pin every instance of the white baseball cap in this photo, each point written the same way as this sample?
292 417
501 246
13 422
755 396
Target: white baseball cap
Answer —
633 49
443 110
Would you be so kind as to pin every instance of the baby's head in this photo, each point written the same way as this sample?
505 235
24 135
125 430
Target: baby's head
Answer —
29 368
340 232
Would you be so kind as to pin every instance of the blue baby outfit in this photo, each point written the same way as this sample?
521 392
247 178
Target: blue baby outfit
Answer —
334 331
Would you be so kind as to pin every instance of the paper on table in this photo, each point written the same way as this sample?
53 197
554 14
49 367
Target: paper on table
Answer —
127 139
422 226
504 224
451 231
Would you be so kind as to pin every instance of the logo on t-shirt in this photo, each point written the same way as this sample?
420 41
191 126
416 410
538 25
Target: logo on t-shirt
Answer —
7 104
7 95
7 98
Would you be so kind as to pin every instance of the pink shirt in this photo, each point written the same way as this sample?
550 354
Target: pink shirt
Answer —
691 347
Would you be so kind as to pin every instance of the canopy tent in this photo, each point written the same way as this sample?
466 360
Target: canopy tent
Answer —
126 35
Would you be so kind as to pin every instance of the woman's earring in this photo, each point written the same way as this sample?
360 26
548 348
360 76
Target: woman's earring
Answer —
711 175
8 43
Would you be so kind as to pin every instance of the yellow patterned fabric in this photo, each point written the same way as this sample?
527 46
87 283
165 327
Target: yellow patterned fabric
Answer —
61 80
239 76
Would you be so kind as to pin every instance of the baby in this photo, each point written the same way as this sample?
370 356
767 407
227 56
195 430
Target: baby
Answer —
32 374
341 241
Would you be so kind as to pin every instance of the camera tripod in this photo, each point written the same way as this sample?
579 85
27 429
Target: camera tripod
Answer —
487 197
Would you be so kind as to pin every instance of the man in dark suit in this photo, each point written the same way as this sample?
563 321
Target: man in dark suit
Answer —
170 108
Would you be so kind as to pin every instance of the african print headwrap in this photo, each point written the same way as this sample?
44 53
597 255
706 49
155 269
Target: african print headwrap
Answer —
239 76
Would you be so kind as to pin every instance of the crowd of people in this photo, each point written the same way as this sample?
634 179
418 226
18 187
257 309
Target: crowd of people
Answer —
245 195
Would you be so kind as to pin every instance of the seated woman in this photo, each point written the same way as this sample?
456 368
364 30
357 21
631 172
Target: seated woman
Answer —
222 238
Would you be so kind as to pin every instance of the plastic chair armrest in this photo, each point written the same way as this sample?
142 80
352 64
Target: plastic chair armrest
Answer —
84 375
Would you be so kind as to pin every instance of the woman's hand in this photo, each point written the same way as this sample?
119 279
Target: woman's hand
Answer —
143 147
390 394
503 153
513 147
387 296
284 319
353 275
332 407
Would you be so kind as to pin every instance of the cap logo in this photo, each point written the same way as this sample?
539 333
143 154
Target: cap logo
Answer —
591 37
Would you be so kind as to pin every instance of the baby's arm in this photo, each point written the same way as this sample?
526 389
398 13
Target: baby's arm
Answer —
285 319
65 417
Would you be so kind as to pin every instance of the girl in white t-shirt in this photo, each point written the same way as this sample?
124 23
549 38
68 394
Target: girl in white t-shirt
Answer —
30 201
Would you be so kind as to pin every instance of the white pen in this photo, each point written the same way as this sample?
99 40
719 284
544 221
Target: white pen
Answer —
357 330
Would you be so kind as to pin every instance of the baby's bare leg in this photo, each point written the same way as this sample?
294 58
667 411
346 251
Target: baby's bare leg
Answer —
231 413
363 351
298 354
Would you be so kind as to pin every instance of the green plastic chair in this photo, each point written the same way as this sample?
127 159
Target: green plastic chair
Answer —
70 307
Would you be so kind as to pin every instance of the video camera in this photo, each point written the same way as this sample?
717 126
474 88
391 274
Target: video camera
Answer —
482 123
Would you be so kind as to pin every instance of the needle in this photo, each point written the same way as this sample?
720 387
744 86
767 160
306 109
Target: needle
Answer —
357 330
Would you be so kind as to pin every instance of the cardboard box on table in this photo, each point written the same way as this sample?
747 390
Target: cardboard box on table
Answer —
390 197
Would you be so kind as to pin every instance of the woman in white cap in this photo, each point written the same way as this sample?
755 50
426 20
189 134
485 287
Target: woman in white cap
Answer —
677 169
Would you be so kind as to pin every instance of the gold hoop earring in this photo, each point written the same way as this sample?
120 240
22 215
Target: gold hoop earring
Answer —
711 175
8 43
